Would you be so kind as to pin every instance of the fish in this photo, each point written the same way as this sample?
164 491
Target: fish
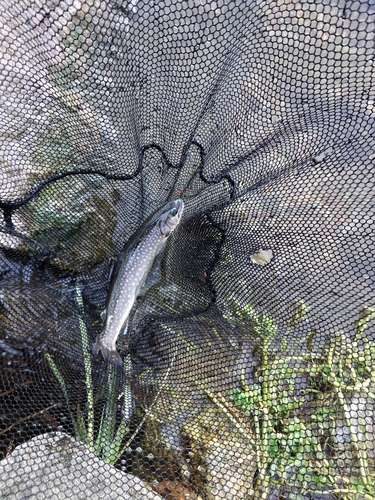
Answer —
132 268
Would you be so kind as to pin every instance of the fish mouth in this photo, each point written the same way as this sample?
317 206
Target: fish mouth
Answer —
179 204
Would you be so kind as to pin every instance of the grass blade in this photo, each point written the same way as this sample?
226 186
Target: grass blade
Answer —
88 373
61 381
99 438
114 451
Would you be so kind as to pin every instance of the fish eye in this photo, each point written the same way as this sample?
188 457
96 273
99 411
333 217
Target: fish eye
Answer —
173 211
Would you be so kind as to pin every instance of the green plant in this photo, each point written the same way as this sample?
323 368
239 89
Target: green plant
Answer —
347 368
107 443
270 403
290 450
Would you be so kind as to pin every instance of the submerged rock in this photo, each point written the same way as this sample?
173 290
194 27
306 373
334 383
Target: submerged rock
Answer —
362 423
57 466
74 218
224 465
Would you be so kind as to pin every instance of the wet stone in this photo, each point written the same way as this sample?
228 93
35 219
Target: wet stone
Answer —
224 462
63 470
75 218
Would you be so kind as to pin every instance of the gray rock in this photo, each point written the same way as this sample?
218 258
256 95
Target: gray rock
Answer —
225 461
75 217
57 466
362 420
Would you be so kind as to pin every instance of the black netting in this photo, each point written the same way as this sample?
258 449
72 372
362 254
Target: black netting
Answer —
249 361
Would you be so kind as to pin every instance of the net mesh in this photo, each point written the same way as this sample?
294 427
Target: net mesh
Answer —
249 365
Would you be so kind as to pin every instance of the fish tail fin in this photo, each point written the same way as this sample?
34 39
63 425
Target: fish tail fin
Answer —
109 354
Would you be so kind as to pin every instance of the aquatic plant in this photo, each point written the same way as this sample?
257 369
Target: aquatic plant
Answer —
107 443
292 428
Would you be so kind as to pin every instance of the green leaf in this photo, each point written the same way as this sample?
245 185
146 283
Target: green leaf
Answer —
299 313
98 446
88 374
264 326
77 430
58 375
81 431
114 451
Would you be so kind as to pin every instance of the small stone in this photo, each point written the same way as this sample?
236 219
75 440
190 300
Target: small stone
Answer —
262 257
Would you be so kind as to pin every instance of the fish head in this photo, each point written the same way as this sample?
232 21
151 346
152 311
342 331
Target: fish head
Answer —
170 219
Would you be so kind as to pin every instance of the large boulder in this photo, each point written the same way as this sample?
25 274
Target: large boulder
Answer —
55 465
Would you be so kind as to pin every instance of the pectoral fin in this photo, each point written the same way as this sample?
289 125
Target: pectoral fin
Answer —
103 315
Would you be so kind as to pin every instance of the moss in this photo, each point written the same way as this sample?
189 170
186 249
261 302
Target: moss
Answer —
75 219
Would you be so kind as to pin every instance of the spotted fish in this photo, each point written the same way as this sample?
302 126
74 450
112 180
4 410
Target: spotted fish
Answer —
132 268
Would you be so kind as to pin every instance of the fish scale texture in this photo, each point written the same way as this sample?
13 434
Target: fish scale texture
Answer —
249 359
